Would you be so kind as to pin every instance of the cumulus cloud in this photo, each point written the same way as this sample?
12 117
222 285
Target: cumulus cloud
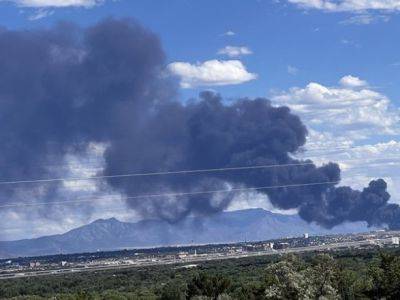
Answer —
360 164
56 3
349 5
211 73
350 124
235 51
352 110
229 33
352 82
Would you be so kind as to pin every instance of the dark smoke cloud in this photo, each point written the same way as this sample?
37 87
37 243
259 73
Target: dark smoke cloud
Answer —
64 88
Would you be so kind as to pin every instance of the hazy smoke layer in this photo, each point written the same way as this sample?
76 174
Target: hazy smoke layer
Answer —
66 87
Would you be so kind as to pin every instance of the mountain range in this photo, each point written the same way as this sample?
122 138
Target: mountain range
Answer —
226 227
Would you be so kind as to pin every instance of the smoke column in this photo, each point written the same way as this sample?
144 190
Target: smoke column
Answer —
64 88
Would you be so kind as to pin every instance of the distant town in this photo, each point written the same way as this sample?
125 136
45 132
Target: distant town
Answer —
187 256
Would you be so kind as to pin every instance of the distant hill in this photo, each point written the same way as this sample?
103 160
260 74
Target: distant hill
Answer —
111 234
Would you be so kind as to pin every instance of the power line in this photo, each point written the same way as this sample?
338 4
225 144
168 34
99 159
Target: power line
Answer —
368 162
116 197
100 159
154 173
312 149
126 175
98 162
98 167
350 147
365 166
173 194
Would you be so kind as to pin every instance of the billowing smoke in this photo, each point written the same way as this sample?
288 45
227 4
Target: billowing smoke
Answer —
64 88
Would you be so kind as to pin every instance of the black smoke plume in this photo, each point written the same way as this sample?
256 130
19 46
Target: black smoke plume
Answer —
66 87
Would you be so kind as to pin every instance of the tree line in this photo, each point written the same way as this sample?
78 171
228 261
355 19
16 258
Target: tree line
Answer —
367 275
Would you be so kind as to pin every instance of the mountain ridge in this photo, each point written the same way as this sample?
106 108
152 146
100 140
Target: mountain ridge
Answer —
227 227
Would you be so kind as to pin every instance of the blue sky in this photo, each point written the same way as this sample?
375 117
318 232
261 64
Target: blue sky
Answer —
336 63
279 33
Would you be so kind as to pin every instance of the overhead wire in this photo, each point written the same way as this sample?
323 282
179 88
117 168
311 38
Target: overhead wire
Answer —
172 194
161 173
99 160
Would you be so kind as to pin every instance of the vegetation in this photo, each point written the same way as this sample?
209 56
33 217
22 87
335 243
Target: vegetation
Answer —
344 275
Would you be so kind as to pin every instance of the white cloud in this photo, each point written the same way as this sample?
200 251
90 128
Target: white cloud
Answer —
96 201
40 14
29 222
349 5
365 19
254 199
234 51
211 73
350 43
363 163
352 82
292 70
364 11
351 124
55 3
352 110
229 33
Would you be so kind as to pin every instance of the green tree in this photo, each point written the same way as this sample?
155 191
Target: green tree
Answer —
292 279
350 285
324 277
205 285
286 280
254 291
384 276
173 291
83 296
